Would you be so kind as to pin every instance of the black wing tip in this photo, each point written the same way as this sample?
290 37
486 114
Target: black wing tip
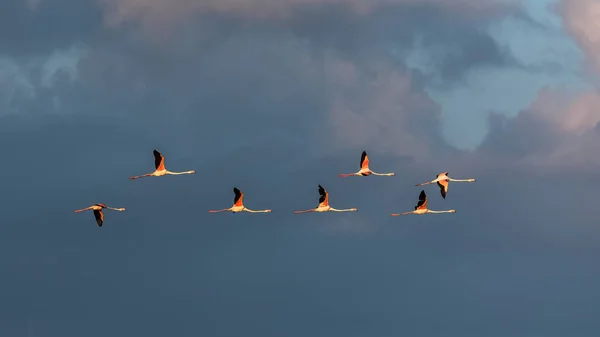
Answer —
364 153
322 190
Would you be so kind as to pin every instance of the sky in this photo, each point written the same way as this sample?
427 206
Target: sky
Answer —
275 97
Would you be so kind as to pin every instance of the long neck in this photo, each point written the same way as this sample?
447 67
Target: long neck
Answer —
116 209
178 173
382 174
342 210
447 211
470 180
259 211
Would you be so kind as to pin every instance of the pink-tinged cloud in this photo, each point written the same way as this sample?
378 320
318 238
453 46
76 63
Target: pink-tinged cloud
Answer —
160 12
582 20
568 113
558 129
377 107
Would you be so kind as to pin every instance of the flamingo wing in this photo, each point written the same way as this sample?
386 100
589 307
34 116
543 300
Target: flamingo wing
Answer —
159 161
443 185
422 204
364 160
324 197
441 174
99 217
239 196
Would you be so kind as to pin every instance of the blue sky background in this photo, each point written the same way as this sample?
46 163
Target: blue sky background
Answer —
275 98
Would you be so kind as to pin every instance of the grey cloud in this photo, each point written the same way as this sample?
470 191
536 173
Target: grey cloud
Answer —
520 136
51 25
557 130
163 14
273 80
274 75
451 45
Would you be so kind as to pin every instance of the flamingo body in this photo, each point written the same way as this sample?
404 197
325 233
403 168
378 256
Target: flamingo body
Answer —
365 171
324 204
442 180
98 215
160 169
238 205
421 207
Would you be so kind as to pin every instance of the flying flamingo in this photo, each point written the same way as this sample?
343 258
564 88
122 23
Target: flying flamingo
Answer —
97 208
238 205
324 204
159 164
364 169
442 180
421 207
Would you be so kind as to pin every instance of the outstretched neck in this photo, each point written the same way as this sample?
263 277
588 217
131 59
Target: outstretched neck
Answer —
259 211
470 180
446 211
178 173
383 174
343 210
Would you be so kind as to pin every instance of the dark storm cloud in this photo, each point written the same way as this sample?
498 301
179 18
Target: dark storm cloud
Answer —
235 72
456 45
520 137
56 24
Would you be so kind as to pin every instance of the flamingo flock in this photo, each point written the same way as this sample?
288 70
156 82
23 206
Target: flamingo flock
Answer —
442 180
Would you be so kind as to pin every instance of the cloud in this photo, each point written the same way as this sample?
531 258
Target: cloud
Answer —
72 22
532 55
379 107
27 80
215 57
164 12
581 19
558 129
